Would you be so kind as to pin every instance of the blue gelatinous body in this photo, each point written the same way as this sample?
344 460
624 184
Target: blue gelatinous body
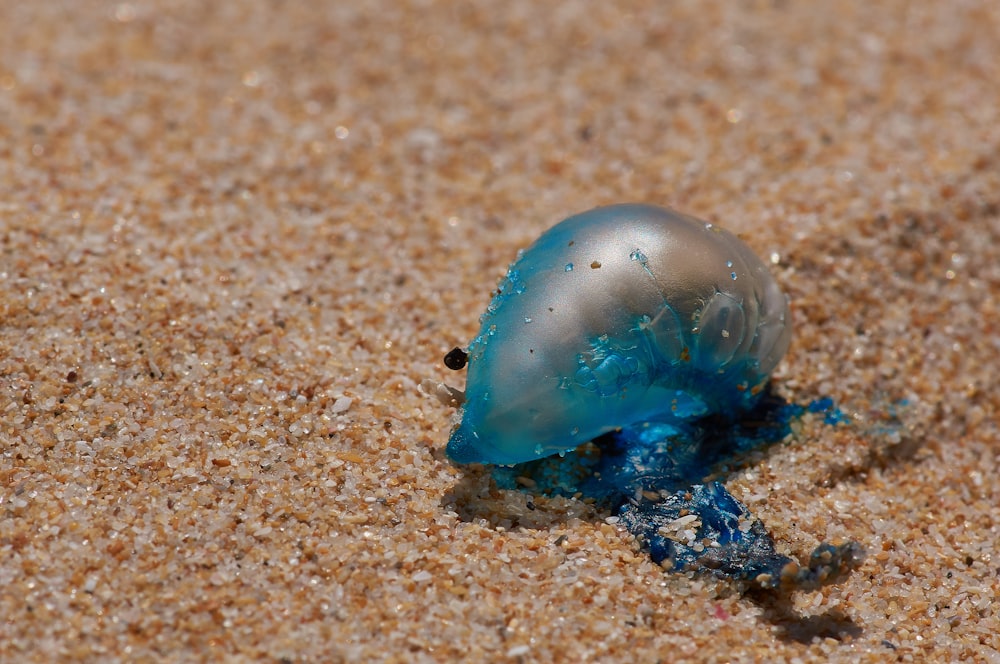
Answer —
620 317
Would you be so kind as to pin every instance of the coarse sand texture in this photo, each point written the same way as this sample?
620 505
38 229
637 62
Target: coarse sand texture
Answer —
237 237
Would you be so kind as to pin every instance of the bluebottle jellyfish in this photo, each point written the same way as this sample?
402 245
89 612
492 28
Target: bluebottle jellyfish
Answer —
616 318
650 333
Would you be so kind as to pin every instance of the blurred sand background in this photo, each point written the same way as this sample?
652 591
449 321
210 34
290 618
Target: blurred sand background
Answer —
234 238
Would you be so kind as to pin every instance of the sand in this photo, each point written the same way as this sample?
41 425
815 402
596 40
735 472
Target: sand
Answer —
235 237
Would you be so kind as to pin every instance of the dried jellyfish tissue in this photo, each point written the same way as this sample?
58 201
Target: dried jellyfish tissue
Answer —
618 318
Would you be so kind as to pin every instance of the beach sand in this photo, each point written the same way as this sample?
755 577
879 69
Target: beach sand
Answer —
235 238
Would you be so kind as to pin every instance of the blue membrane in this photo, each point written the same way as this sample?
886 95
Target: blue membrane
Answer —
618 316
831 414
658 479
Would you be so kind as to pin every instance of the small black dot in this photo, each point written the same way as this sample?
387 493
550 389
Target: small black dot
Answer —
456 359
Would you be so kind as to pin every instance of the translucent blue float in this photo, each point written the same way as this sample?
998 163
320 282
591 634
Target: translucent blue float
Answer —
622 316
